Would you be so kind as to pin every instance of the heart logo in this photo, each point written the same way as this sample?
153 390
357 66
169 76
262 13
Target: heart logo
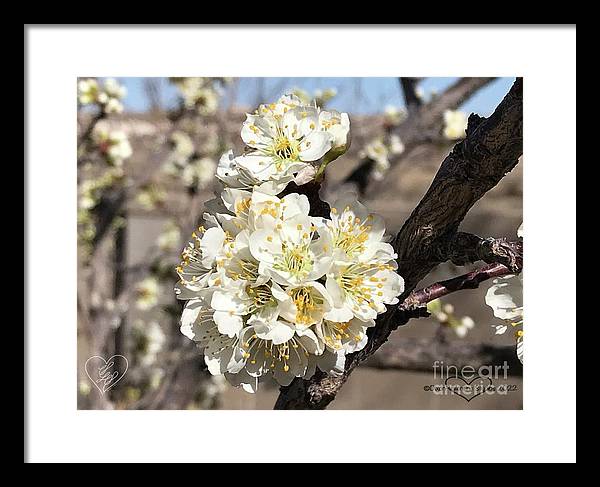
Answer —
468 390
105 374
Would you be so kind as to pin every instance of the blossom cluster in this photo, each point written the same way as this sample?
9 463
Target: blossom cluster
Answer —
380 150
270 289
196 171
445 315
200 94
286 141
394 116
107 95
114 145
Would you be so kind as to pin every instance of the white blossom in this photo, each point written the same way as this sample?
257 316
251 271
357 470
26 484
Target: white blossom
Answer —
91 189
183 148
199 173
396 145
394 115
349 336
235 176
285 141
114 145
150 197
505 297
379 153
87 91
278 349
147 293
465 324
113 106
445 315
198 93
153 339
290 251
258 282
113 89
107 95
356 234
455 124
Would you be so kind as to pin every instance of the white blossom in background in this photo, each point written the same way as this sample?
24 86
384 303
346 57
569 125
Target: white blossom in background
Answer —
150 197
90 190
113 89
444 313
151 340
465 324
183 146
200 94
112 94
318 98
113 106
426 95
90 193
87 91
285 141
113 145
147 293
379 153
182 151
199 173
380 150
394 115
273 291
397 147
107 95
169 238
88 198
194 172
85 388
455 124
505 297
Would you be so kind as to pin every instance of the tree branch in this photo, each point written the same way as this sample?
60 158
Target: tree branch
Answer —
420 354
471 280
432 114
423 125
467 248
409 90
491 149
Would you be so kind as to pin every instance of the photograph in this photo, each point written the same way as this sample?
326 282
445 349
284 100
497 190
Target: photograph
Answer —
241 239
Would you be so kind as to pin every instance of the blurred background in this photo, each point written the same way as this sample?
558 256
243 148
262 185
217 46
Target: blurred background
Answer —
147 150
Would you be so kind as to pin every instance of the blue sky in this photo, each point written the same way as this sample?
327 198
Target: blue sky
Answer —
355 95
